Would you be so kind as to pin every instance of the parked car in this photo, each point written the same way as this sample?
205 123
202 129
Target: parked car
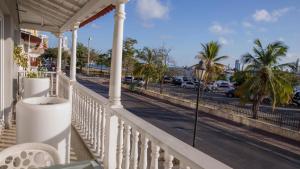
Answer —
168 80
128 79
296 98
211 87
189 85
224 87
177 82
139 81
231 93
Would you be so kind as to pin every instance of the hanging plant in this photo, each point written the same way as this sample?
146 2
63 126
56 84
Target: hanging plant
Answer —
20 57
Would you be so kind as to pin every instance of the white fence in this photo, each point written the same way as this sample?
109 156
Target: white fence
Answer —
121 140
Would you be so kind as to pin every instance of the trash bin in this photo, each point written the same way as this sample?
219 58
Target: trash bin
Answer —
45 120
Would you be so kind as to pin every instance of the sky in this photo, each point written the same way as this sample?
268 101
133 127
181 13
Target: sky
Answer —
183 25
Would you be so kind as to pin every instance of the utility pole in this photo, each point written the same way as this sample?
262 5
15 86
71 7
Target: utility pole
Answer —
88 63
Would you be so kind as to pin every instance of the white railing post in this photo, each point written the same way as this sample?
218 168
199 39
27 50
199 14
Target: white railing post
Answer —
58 63
127 146
144 153
120 144
116 61
154 155
135 149
110 142
168 160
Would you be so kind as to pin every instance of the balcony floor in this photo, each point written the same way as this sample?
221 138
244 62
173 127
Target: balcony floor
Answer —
80 153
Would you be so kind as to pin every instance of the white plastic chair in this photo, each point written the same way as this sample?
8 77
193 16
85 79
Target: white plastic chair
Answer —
29 155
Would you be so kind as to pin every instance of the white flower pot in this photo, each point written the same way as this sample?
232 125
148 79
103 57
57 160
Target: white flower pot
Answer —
45 120
36 87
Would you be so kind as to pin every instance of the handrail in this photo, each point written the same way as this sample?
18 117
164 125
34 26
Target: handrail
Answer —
169 143
118 138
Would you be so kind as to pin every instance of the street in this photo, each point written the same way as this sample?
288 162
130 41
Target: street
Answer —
229 147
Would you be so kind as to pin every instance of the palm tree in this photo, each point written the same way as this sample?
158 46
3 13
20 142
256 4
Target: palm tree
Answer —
266 78
145 68
209 55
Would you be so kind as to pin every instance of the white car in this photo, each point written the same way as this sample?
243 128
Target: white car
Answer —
188 85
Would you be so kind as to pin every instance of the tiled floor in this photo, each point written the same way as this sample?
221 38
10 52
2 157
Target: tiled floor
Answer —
78 151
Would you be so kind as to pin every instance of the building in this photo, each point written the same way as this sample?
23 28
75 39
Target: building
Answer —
237 65
116 137
34 44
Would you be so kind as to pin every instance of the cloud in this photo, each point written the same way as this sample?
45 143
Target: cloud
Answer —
152 9
218 29
95 26
247 24
147 25
223 41
263 15
166 37
281 39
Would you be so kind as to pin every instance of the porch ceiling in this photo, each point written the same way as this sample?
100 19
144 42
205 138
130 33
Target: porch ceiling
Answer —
59 15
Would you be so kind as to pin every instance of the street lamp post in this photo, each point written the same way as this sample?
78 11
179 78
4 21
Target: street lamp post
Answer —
200 71
88 63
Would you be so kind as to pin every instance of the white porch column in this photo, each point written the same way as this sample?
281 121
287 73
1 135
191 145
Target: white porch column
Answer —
73 57
116 61
58 63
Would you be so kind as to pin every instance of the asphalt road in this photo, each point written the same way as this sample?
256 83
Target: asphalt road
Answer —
232 149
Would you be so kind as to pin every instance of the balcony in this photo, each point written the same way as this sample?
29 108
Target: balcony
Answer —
115 137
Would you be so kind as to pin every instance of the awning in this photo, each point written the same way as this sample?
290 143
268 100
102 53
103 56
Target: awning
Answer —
60 15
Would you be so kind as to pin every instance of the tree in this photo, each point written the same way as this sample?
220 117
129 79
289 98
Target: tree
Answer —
102 59
145 68
266 79
161 58
129 53
209 55
82 52
51 54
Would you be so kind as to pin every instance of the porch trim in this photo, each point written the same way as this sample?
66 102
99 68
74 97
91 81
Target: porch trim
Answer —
2 66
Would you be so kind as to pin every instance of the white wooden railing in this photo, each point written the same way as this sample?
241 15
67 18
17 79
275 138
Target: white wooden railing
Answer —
121 140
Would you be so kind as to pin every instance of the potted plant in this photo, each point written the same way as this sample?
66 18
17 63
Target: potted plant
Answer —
34 83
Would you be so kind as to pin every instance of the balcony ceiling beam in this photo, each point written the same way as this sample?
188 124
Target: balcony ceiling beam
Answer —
43 14
39 5
34 26
59 8
90 8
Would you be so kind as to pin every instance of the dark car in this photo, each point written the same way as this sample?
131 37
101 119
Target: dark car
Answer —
177 82
168 80
231 93
296 98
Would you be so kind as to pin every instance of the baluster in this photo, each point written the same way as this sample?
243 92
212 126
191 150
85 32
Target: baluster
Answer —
80 110
84 115
168 161
120 144
92 122
135 148
51 84
183 165
154 155
98 138
89 119
74 105
127 146
144 153
103 123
